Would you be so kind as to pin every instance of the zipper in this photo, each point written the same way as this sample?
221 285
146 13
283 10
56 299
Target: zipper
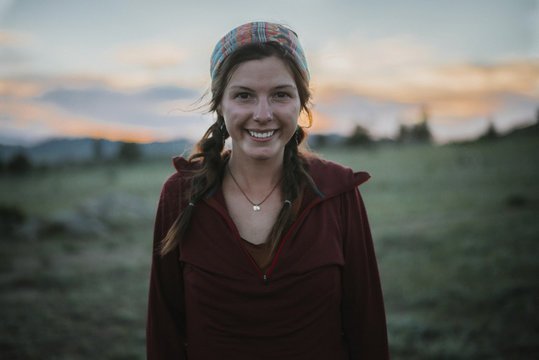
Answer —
302 215
264 276
238 238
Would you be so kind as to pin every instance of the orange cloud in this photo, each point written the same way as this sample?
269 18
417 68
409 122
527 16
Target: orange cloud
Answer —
20 89
11 38
28 115
321 122
452 91
461 107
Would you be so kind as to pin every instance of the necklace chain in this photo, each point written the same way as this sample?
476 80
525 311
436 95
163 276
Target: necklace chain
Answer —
256 207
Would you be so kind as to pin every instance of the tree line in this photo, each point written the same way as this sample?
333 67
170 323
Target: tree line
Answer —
21 163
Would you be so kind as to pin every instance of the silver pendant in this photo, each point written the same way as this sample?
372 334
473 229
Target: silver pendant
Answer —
256 208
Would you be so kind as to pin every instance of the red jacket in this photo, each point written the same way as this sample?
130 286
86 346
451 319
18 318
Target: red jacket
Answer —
321 298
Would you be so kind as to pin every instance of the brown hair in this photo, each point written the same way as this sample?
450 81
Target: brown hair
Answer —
212 158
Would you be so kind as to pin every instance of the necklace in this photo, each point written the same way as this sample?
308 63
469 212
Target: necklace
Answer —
256 207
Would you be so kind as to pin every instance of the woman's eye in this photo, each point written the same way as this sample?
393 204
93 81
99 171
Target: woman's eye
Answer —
282 95
243 96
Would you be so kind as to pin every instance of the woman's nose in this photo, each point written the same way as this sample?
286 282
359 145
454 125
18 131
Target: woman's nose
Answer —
263 111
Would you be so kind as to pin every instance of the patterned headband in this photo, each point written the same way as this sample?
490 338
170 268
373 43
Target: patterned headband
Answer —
257 32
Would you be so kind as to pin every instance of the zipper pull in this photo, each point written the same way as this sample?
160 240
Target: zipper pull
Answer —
266 279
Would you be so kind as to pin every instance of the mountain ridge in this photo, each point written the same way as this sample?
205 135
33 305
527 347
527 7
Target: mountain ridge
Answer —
88 149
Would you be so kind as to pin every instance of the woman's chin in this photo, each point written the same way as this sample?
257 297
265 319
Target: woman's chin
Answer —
263 153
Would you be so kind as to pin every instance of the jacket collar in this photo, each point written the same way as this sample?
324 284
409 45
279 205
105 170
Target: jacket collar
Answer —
331 179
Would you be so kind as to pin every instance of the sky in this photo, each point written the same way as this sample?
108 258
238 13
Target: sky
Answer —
136 70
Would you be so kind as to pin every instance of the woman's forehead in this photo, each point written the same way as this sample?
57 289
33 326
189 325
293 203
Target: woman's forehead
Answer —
270 71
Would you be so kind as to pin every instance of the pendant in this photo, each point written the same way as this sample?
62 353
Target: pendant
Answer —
256 208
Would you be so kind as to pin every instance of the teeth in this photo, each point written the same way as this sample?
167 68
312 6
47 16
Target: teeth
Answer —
261 135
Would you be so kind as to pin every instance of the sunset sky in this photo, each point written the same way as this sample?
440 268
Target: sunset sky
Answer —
132 69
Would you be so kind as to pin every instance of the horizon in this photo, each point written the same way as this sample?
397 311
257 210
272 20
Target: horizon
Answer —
342 138
136 77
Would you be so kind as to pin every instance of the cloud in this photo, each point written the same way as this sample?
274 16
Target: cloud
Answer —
19 89
462 92
30 121
460 100
401 69
343 110
13 38
518 76
451 93
430 83
33 110
35 120
14 55
102 104
151 55
357 61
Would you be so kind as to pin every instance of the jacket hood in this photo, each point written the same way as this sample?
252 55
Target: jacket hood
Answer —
181 164
331 179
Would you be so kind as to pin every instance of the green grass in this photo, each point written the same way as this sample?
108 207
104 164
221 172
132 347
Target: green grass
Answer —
455 230
456 233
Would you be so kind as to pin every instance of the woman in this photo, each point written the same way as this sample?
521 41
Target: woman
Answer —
262 251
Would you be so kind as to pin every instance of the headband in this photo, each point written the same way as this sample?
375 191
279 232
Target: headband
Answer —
257 32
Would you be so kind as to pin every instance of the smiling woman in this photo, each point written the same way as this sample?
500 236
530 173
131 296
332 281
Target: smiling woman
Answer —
261 107
258 251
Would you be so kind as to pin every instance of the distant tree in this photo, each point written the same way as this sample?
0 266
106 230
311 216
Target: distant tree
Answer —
535 127
98 150
359 136
421 132
19 164
404 134
490 134
418 132
129 151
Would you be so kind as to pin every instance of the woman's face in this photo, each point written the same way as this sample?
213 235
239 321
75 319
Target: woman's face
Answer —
261 107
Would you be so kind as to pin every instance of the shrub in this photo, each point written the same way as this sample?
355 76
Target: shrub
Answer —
11 217
19 164
129 151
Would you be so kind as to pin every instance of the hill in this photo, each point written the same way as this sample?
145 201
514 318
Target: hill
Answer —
86 149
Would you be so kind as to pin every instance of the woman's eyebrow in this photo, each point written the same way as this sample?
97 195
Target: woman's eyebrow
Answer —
239 87
278 87
285 87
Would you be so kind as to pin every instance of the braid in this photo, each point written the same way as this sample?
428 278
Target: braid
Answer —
209 153
295 177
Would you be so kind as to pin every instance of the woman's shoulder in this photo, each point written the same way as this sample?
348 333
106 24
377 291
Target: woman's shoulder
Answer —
332 176
183 165
184 171
319 164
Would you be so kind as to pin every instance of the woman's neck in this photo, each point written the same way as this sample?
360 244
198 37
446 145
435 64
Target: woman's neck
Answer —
256 174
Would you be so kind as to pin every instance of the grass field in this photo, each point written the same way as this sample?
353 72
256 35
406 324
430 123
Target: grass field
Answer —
456 232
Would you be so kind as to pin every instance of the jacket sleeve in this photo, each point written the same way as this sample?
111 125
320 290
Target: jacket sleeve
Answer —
364 321
165 327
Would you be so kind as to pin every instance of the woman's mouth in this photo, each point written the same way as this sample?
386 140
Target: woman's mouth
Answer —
261 134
